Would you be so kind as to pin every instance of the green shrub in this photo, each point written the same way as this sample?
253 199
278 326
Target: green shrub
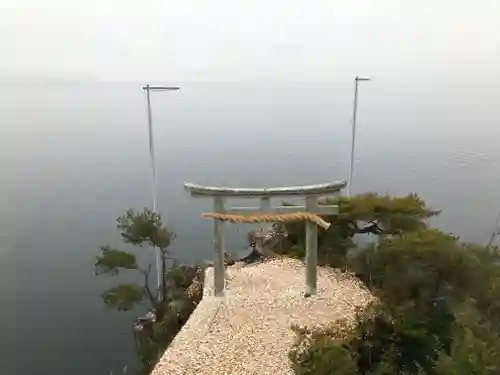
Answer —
438 308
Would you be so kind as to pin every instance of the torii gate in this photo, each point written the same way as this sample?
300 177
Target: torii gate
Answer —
265 212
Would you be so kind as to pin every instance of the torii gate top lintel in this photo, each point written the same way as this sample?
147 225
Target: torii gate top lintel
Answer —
304 190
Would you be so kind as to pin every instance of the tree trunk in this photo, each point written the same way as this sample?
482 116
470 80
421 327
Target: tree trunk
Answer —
163 291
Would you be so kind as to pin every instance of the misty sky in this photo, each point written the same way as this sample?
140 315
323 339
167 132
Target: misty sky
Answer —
239 39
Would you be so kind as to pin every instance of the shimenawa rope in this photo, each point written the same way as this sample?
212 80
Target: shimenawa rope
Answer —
264 217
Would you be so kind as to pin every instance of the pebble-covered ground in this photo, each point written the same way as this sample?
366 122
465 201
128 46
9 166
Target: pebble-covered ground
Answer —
249 330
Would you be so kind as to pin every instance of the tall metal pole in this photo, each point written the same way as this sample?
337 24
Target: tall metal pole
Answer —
151 149
159 268
153 175
353 139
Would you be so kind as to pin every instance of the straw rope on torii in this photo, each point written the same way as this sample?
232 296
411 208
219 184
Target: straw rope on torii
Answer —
266 217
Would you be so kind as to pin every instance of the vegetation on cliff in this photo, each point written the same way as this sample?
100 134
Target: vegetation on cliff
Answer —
438 309
170 305
438 298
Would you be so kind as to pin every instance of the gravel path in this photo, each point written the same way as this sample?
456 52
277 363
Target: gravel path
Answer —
249 330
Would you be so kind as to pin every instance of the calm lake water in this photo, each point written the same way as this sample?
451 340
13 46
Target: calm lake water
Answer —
74 156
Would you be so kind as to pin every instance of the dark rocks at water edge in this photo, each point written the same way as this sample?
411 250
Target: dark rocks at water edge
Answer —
261 245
